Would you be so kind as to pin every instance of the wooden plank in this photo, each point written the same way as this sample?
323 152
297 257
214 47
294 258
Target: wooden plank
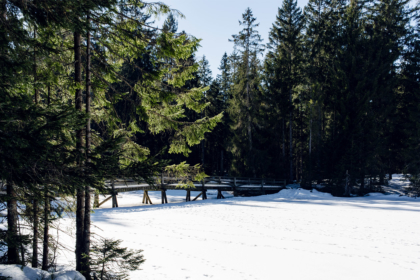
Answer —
148 198
219 194
105 200
197 196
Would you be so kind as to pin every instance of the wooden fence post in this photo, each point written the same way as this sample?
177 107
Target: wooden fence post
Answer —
262 186
188 198
203 183
219 194
114 195
164 197
235 193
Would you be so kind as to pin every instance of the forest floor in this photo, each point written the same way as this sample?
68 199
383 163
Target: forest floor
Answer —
294 234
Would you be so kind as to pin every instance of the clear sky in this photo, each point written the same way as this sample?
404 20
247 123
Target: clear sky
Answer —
215 21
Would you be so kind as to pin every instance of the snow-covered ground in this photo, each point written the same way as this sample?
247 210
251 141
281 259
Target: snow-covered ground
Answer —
295 234
17 272
397 185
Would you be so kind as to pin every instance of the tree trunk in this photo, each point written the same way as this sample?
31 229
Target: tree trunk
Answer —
248 104
80 200
49 96
221 163
310 151
291 136
202 152
12 228
362 184
88 208
284 151
35 201
347 187
251 156
382 177
45 251
35 233
35 75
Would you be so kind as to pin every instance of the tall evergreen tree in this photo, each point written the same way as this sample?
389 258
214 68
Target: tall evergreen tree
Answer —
285 64
204 77
246 95
322 43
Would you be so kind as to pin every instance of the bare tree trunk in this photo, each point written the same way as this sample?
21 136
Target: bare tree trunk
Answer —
301 144
382 177
362 184
45 251
88 208
248 104
45 248
80 197
347 188
35 200
221 163
12 213
291 136
284 150
251 156
35 233
318 145
35 75
202 152
310 151
12 228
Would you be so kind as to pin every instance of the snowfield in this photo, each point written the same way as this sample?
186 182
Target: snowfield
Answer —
295 234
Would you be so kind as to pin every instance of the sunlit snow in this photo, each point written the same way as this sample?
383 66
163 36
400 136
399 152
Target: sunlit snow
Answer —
295 234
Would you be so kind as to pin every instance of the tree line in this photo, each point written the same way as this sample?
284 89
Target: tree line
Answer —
336 93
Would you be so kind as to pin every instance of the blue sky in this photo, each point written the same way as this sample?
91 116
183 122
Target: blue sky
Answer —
214 21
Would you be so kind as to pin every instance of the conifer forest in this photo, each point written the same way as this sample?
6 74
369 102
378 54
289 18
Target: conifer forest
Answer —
92 91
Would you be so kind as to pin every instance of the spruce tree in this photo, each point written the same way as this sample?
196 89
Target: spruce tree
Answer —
321 44
246 95
285 62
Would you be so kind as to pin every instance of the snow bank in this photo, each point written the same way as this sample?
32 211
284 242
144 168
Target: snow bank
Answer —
27 273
